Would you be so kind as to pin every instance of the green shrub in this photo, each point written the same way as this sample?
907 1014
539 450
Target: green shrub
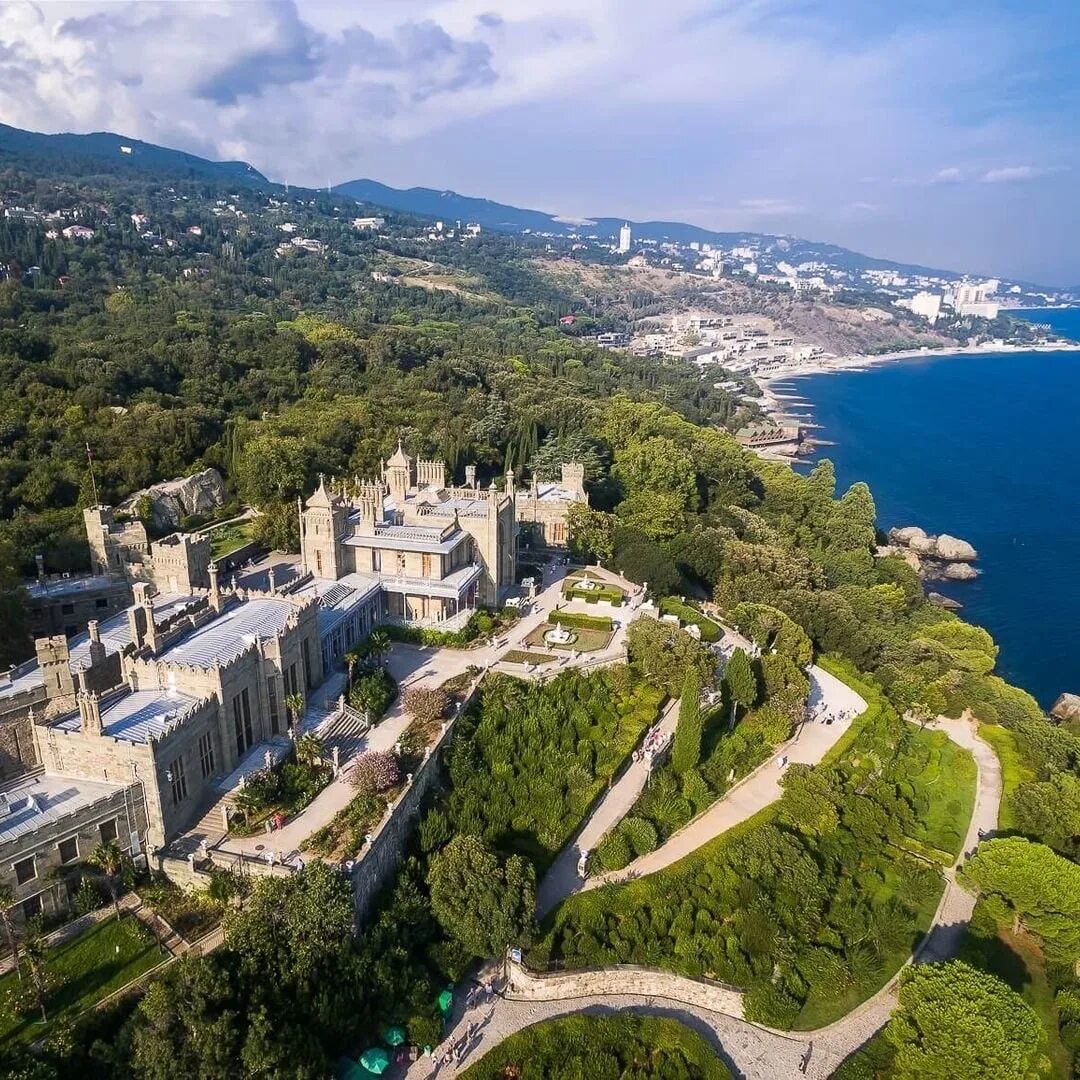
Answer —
373 691
584 622
613 852
640 834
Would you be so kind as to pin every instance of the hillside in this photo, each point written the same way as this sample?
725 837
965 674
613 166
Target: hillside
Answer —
450 206
118 153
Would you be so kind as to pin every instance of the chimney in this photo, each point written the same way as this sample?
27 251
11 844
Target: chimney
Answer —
97 648
510 482
470 476
215 592
54 660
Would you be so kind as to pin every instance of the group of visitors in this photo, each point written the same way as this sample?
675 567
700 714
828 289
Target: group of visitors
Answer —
458 1050
656 742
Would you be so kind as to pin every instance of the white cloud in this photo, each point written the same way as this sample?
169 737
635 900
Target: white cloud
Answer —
770 207
622 107
1011 174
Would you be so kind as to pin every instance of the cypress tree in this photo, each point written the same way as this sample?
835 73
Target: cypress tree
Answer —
687 748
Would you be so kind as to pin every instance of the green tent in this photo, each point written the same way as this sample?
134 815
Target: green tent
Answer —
393 1036
445 1000
376 1060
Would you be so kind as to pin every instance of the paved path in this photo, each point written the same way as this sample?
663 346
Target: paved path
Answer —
751 1051
754 792
562 878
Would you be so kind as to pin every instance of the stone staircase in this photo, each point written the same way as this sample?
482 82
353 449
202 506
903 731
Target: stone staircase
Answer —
344 729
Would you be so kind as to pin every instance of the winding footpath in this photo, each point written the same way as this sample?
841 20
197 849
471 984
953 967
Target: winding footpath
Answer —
749 1050
754 792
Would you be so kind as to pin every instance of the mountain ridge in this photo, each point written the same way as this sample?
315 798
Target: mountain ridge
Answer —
503 217
107 146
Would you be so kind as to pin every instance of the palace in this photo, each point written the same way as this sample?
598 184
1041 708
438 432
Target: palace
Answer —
130 731
427 552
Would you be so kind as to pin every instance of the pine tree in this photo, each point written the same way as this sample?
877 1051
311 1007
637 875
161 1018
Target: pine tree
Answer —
687 748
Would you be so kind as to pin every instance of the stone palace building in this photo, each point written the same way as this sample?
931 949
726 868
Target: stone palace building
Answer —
130 730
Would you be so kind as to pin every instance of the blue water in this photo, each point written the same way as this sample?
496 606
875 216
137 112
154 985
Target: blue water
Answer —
985 448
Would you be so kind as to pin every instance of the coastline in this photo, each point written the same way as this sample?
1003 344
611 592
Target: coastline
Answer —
774 404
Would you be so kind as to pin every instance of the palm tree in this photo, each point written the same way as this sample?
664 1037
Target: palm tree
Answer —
309 749
248 800
108 861
378 645
7 902
295 703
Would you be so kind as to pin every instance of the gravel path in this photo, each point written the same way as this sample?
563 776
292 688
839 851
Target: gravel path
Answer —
754 792
753 1052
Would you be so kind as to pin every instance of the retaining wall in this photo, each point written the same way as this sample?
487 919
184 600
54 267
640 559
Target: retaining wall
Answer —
524 985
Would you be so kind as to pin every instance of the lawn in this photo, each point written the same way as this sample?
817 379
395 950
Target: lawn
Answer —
603 590
944 792
1017 960
810 907
586 639
601 1046
1013 770
103 959
709 630
230 537
519 656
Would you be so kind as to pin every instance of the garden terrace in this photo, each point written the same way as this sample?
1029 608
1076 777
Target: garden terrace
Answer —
588 633
527 761
599 590
811 905
710 631
86 969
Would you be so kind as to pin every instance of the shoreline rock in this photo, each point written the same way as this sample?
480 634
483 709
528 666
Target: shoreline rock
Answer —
935 558
943 601
949 549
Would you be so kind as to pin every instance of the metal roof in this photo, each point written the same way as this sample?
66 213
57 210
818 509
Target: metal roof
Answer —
115 635
232 634
47 799
135 716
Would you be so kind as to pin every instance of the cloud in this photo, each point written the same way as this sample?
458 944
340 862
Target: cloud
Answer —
951 175
770 207
1011 174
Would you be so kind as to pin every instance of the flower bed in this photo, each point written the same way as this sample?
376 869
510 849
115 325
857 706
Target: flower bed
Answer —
585 639
519 656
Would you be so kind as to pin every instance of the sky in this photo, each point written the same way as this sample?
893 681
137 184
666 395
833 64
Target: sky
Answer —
944 134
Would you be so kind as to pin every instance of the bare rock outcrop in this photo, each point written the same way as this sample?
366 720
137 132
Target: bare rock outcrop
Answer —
173 500
959 571
952 549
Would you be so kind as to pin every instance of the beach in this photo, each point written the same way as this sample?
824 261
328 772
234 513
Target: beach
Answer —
776 404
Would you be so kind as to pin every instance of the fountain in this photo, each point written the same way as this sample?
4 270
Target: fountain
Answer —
586 583
559 635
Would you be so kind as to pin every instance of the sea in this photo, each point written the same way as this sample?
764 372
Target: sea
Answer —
985 447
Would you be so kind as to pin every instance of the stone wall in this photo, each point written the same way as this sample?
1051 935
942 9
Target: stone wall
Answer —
380 859
524 985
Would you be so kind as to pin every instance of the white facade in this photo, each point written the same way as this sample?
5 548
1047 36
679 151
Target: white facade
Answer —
625 237
928 305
